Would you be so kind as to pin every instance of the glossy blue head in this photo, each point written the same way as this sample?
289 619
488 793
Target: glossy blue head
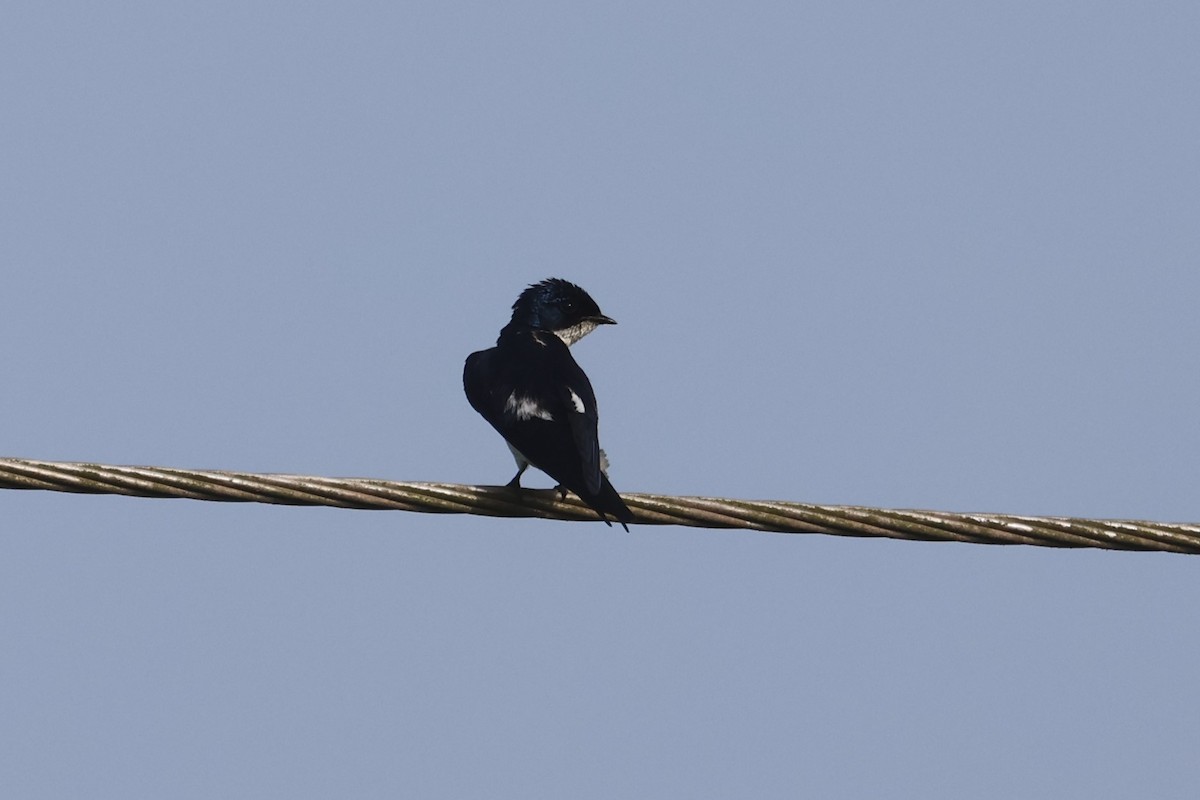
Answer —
560 307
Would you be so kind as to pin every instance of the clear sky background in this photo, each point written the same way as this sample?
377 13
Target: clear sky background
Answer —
921 255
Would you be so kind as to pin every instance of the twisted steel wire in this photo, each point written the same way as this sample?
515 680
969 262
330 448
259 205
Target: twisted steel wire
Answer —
648 509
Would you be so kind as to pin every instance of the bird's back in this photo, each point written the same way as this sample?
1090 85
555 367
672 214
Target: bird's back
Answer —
531 390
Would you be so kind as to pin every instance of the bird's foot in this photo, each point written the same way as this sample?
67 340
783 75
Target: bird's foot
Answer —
515 483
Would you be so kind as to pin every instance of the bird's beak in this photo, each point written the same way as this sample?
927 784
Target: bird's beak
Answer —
600 319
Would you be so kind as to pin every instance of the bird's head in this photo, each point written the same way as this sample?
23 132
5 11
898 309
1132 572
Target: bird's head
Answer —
560 307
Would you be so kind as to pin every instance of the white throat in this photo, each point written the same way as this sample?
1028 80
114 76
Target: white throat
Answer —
576 332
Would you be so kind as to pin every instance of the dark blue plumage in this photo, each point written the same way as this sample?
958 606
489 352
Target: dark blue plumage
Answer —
534 394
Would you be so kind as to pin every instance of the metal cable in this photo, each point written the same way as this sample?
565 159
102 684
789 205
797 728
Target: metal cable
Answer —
648 509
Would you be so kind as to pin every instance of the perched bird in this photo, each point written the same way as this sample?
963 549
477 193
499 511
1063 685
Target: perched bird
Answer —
534 394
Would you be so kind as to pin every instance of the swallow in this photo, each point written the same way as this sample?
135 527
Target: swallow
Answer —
531 390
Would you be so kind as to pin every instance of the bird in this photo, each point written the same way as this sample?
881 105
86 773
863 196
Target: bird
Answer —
531 390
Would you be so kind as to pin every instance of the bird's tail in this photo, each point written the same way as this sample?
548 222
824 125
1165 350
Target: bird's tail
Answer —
607 502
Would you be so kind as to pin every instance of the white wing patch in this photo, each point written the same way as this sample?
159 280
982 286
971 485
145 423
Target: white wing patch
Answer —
577 401
525 408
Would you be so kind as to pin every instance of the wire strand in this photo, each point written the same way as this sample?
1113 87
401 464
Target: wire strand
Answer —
648 509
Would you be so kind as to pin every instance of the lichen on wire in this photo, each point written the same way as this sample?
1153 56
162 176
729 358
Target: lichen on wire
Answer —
648 509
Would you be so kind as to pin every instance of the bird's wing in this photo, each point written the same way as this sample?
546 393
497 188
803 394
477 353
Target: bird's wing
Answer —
518 408
479 383
578 403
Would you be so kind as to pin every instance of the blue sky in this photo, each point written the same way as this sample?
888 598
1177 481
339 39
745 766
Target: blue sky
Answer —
920 256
